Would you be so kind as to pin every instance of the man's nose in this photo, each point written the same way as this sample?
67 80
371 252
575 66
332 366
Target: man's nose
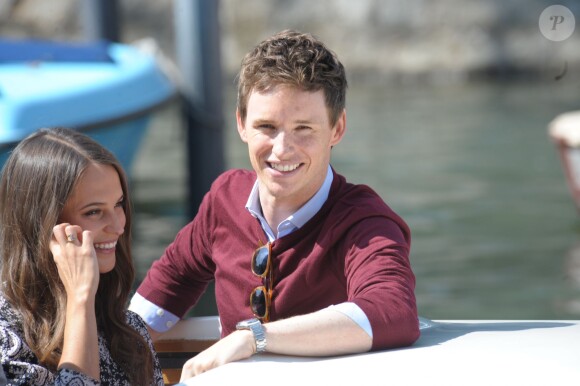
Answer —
282 143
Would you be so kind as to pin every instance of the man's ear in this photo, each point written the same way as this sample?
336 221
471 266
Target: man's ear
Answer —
241 127
339 129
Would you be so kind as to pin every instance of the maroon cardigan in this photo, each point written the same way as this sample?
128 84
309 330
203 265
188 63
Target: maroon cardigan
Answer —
354 249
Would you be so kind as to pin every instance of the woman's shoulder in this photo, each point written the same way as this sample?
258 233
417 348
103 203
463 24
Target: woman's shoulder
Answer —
138 324
11 332
8 316
135 321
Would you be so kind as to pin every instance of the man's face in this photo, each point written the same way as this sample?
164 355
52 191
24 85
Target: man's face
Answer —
289 139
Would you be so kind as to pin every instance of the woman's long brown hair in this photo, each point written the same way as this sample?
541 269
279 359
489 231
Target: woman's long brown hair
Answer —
36 182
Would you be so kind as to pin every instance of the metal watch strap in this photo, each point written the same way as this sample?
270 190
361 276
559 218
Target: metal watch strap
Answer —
257 329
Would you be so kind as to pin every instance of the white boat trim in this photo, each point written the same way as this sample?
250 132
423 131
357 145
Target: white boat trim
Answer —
449 352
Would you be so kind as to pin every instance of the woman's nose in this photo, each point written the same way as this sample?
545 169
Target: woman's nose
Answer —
117 223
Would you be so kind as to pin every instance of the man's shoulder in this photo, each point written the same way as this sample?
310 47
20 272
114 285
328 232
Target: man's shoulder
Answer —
236 178
231 189
352 194
365 201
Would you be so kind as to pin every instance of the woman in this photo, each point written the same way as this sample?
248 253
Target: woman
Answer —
66 274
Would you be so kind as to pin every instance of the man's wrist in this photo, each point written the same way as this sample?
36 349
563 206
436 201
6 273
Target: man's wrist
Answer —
258 333
248 337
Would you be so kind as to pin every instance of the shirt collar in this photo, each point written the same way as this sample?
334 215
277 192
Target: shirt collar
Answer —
298 218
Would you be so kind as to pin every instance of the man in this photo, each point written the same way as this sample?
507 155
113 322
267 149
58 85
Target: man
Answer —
304 263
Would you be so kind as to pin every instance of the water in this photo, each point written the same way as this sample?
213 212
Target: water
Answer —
470 168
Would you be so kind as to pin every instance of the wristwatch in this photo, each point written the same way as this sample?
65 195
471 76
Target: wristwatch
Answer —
255 326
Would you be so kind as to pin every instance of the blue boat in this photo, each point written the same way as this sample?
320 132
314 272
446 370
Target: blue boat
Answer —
107 90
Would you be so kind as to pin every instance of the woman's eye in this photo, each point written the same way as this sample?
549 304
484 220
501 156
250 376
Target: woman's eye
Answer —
93 212
121 204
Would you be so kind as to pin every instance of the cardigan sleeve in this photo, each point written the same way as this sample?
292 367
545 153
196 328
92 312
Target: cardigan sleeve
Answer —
380 280
177 280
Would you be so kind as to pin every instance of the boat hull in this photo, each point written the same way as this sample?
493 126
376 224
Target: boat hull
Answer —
110 96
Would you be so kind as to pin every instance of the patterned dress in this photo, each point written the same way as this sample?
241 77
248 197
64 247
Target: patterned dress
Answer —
21 366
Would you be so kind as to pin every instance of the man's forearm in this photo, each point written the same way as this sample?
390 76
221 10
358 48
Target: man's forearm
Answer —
325 332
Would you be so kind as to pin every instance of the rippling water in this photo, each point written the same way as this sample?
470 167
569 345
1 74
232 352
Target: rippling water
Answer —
471 169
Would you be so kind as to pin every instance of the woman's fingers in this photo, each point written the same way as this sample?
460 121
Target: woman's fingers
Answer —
75 257
58 231
87 241
67 233
72 233
71 237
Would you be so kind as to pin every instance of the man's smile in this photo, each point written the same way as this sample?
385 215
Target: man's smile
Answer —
283 168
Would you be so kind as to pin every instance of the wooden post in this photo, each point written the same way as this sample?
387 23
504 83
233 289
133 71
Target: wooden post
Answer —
101 20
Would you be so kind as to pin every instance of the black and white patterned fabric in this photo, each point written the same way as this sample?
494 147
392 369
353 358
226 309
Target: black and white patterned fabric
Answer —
20 365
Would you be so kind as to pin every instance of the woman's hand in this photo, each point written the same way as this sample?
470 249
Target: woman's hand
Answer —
234 347
78 269
76 261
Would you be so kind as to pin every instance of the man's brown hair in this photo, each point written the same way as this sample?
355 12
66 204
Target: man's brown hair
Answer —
294 59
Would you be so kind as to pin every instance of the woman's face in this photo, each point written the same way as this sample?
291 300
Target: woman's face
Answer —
97 204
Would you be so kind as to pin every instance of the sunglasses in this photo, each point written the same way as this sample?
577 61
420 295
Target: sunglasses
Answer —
261 296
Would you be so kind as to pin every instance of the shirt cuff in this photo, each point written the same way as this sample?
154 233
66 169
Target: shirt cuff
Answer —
356 314
156 317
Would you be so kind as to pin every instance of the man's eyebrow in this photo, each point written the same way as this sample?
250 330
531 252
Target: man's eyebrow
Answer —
262 121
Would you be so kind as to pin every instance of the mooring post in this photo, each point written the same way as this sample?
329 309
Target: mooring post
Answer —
197 37
101 20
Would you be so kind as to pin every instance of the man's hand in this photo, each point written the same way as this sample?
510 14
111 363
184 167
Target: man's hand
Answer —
234 347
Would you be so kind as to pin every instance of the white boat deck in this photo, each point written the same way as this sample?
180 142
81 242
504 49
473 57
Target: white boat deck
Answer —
449 352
